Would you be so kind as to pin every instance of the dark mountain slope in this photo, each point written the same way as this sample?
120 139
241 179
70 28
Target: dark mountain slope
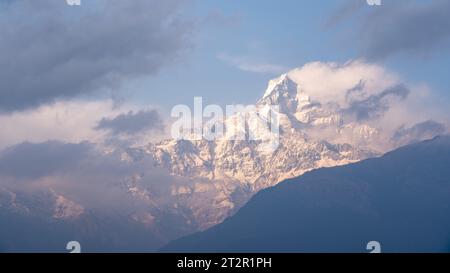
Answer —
401 200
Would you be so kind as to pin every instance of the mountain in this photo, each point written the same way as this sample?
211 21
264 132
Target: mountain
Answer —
400 200
236 169
163 191
45 222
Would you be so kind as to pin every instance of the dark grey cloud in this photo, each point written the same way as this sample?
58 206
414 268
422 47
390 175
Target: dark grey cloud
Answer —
83 172
374 105
101 181
420 131
105 183
398 26
357 89
344 11
407 26
50 50
29 160
132 122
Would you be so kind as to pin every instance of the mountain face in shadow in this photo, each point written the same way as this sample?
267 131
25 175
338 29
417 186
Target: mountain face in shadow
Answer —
401 200
34 234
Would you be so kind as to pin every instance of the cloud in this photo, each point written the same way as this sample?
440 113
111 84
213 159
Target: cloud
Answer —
423 130
406 27
217 17
343 84
244 64
344 11
375 105
132 122
401 26
73 122
51 51
29 160
83 172
106 181
53 179
368 94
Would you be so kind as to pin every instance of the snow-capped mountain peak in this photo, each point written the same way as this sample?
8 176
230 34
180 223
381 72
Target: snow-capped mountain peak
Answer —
282 91
282 84
223 167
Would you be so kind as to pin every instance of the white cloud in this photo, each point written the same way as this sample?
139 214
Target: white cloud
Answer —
369 94
329 82
244 64
66 121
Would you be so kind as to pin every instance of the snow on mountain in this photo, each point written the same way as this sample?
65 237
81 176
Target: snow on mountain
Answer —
179 186
67 209
245 166
399 200
327 117
44 203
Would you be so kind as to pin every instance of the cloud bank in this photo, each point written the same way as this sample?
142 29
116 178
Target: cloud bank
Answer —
417 28
132 122
76 121
53 51
83 172
246 65
367 93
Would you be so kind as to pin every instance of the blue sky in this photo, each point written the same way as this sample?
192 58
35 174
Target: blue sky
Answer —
283 34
